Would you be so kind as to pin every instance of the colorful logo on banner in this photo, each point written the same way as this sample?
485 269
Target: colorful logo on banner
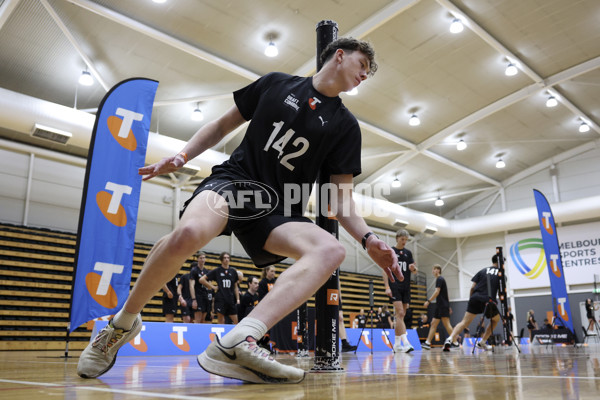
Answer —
560 298
524 249
110 201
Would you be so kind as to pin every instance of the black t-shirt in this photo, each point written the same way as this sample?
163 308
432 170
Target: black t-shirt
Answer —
442 299
481 284
405 258
172 286
247 304
294 131
196 273
384 321
184 282
226 279
264 286
362 320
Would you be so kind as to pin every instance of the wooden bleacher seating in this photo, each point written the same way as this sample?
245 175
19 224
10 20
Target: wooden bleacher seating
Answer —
36 268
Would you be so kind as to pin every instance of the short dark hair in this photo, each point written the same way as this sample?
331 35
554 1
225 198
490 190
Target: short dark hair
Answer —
438 267
495 259
351 44
222 255
402 233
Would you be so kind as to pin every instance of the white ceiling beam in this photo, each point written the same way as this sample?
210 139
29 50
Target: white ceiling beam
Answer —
363 29
491 40
164 38
387 135
61 25
461 168
490 109
445 196
6 9
566 155
589 146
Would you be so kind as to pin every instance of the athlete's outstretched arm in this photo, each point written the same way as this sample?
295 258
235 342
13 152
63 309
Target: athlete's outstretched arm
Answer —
206 137
355 225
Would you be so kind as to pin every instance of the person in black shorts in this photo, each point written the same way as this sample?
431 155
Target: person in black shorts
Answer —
589 312
249 299
442 306
484 291
227 295
360 321
298 127
203 294
169 300
187 298
399 291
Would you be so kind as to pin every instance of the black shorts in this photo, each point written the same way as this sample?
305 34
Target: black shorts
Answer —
250 225
477 306
187 310
169 305
441 311
225 307
400 294
204 304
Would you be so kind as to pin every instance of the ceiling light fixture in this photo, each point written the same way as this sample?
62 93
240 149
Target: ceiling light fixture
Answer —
86 79
159 1
197 114
414 120
456 26
461 145
271 50
396 183
500 163
439 202
511 70
584 127
551 102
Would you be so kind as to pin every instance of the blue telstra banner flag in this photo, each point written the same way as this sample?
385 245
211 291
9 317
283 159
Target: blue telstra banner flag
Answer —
560 299
111 196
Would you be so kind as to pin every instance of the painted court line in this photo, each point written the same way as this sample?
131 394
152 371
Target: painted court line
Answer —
128 392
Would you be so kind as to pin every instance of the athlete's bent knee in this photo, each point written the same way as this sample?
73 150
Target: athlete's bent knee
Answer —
332 253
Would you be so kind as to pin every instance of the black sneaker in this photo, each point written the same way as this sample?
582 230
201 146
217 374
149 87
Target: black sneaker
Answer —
426 346
348 348
447 345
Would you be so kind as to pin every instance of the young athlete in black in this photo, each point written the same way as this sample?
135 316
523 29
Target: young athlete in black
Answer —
186 298
483 291
169 299
249 299
228 295
399 291
203 294
298 127
442 306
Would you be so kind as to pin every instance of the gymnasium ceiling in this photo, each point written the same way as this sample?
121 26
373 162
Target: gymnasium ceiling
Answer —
201 51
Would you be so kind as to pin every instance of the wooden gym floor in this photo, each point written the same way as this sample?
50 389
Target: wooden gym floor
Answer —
539 372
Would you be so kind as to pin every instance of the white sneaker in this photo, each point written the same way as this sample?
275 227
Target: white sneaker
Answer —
100 355
483 346
408 348
248 362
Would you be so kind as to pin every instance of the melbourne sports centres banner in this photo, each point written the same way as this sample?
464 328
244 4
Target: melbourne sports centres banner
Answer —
111 196
579 247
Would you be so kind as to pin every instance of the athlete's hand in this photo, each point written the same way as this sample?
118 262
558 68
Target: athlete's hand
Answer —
385 257
164 166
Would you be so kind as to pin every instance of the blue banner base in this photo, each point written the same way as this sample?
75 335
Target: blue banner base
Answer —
170 339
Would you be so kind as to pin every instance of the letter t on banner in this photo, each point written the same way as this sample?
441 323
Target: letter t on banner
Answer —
110 201
560 298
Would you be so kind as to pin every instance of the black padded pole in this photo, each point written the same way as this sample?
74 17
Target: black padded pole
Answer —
328 296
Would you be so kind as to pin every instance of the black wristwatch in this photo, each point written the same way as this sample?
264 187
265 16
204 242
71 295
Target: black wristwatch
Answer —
364 239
